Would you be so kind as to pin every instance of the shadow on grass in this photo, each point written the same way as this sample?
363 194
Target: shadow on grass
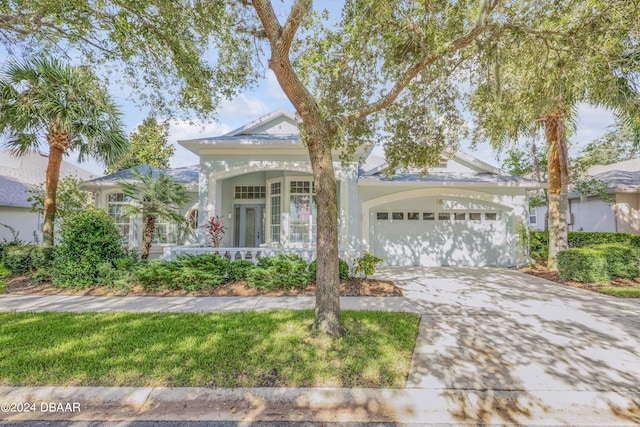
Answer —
247 349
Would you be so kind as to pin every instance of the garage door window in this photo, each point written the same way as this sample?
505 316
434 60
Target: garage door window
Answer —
490 216
444 216
398 215
460 216
428 216
475 216
382 216
413 216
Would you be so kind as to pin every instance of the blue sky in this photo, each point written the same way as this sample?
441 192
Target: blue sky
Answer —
592 123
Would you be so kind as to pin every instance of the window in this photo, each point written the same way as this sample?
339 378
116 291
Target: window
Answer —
116 203
475 216
444 216
381 216
413 216
490 216
533 218
397 215
459 216
302 212
428 216
250 191
276 209
192 220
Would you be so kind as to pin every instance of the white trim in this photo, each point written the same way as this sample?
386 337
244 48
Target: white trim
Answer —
270 117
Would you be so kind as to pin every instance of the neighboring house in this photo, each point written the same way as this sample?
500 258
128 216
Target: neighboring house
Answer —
259 179
17 175
592 213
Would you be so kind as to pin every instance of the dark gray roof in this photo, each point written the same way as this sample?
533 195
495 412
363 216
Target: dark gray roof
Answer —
13 193
186 174
253 137
616 179
451 177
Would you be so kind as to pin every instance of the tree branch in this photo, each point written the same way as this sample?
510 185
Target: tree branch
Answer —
298 11
408 75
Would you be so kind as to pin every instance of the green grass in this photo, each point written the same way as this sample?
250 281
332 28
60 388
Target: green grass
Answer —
248 349
620 291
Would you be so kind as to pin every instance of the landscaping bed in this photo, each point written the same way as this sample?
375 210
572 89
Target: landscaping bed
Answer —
247 349
617 286
349 287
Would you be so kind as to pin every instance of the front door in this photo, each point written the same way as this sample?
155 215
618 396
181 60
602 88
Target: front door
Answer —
248 226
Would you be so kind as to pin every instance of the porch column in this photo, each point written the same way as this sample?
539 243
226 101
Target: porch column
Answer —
207 189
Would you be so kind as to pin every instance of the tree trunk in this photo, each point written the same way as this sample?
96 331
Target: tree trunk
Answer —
327 319
557 206
57 140
147 236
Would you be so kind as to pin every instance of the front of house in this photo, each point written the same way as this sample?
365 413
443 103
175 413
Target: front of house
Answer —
259 179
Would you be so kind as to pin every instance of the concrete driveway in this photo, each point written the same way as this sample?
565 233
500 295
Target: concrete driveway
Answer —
502 345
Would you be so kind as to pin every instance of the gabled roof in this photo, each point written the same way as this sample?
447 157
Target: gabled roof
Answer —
618 176
269 124
13 193
187 175
377 165
31 167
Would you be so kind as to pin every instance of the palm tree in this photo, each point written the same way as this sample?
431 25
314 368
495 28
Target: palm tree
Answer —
66 105
158 196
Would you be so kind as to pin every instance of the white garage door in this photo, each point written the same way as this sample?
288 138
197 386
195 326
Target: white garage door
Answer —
477 236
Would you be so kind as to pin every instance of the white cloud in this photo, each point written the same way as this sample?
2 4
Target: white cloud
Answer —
190 129
273 87
242 108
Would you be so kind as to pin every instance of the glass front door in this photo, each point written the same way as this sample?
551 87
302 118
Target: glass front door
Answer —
248 226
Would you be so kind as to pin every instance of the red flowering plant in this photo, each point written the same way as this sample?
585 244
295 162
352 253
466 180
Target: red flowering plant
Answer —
215 230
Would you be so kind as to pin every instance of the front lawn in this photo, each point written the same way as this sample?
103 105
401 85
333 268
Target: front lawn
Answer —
620 291
247 349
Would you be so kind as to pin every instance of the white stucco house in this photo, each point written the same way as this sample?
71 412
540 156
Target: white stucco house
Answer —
18 174
259 179
619 214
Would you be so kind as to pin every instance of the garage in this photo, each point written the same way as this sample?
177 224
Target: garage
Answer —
435 231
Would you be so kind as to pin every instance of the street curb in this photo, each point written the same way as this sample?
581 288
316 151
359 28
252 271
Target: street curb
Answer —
407 406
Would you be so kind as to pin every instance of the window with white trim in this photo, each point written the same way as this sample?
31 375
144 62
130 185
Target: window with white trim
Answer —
302 212
116 203
275 210
533 218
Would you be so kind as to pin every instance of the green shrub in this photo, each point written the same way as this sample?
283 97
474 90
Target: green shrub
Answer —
282 271
3 287
42 256
343 268
87 239
41 275
622 260
188 272
539 240
239 269
583 264
18 259
366 264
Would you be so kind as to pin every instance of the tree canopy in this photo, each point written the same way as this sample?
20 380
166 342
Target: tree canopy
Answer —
148 145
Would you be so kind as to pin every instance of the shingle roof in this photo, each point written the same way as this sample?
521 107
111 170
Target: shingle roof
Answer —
185 175
621 175
31 167
13 193
453 177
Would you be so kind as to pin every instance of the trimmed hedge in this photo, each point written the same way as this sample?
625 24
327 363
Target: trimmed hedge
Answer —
282 271
188 272
343 268
599 263
25 258
539 240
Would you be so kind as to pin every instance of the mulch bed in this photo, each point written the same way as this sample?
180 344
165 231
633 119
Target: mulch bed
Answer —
540 270
351 287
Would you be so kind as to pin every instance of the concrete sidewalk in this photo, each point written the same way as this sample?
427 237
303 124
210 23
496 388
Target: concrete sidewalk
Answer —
494 347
